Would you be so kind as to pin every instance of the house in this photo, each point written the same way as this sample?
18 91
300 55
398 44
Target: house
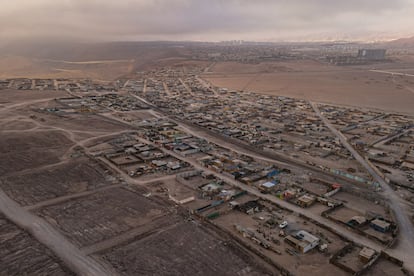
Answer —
250 207
305 201
302 241
356 221
366 254
186 149
289 194
380 225
267 187
174 165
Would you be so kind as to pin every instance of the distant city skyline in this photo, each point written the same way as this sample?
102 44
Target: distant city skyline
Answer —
213 20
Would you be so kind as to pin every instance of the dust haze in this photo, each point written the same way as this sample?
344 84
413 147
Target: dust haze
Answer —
207 137
214 20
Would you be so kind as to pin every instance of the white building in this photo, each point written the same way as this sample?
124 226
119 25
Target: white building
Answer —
302 241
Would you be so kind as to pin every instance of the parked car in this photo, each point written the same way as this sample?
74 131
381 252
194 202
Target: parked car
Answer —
283 224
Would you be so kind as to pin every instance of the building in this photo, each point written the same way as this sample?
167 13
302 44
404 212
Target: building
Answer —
356 221
211 188
186 149
267 187
366 254
305 201
250 207
380 225
302 241
372 54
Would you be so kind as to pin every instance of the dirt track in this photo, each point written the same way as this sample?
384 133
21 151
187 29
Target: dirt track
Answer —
46 234
405 249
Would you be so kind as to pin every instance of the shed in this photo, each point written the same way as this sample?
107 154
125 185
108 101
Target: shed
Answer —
305 201
366 254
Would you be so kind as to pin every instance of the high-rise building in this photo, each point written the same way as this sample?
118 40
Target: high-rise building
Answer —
372 54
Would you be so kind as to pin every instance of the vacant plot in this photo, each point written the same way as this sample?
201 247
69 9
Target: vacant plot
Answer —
319 82
185 249
385 267
12 96
85 122
17 67
351 260
18 124
135 115
361 204
102 215
79 175
316 188
21 254
344 214
25 150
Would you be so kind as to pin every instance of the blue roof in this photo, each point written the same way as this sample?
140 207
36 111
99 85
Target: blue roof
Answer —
268 184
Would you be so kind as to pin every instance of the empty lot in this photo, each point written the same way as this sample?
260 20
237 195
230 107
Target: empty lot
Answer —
20 151
76 176
102 215
185 249
354 86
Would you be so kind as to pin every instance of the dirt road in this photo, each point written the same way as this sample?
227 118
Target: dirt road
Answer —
46 234
338 228
406 236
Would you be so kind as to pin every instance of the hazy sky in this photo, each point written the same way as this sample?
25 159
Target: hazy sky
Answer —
207 20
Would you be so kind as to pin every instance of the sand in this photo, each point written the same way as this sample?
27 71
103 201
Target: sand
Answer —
351 86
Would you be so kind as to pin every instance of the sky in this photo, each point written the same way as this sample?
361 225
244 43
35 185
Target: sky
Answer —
207 20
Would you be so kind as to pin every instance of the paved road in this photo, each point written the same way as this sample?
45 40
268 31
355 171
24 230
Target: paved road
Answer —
50 237
405 249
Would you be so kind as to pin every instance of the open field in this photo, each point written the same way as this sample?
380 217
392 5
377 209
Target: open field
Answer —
385 267
11 97
76 176
344 214
197 251
351 86
101 216
27 150
19 67
86 123
21 254
104 61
